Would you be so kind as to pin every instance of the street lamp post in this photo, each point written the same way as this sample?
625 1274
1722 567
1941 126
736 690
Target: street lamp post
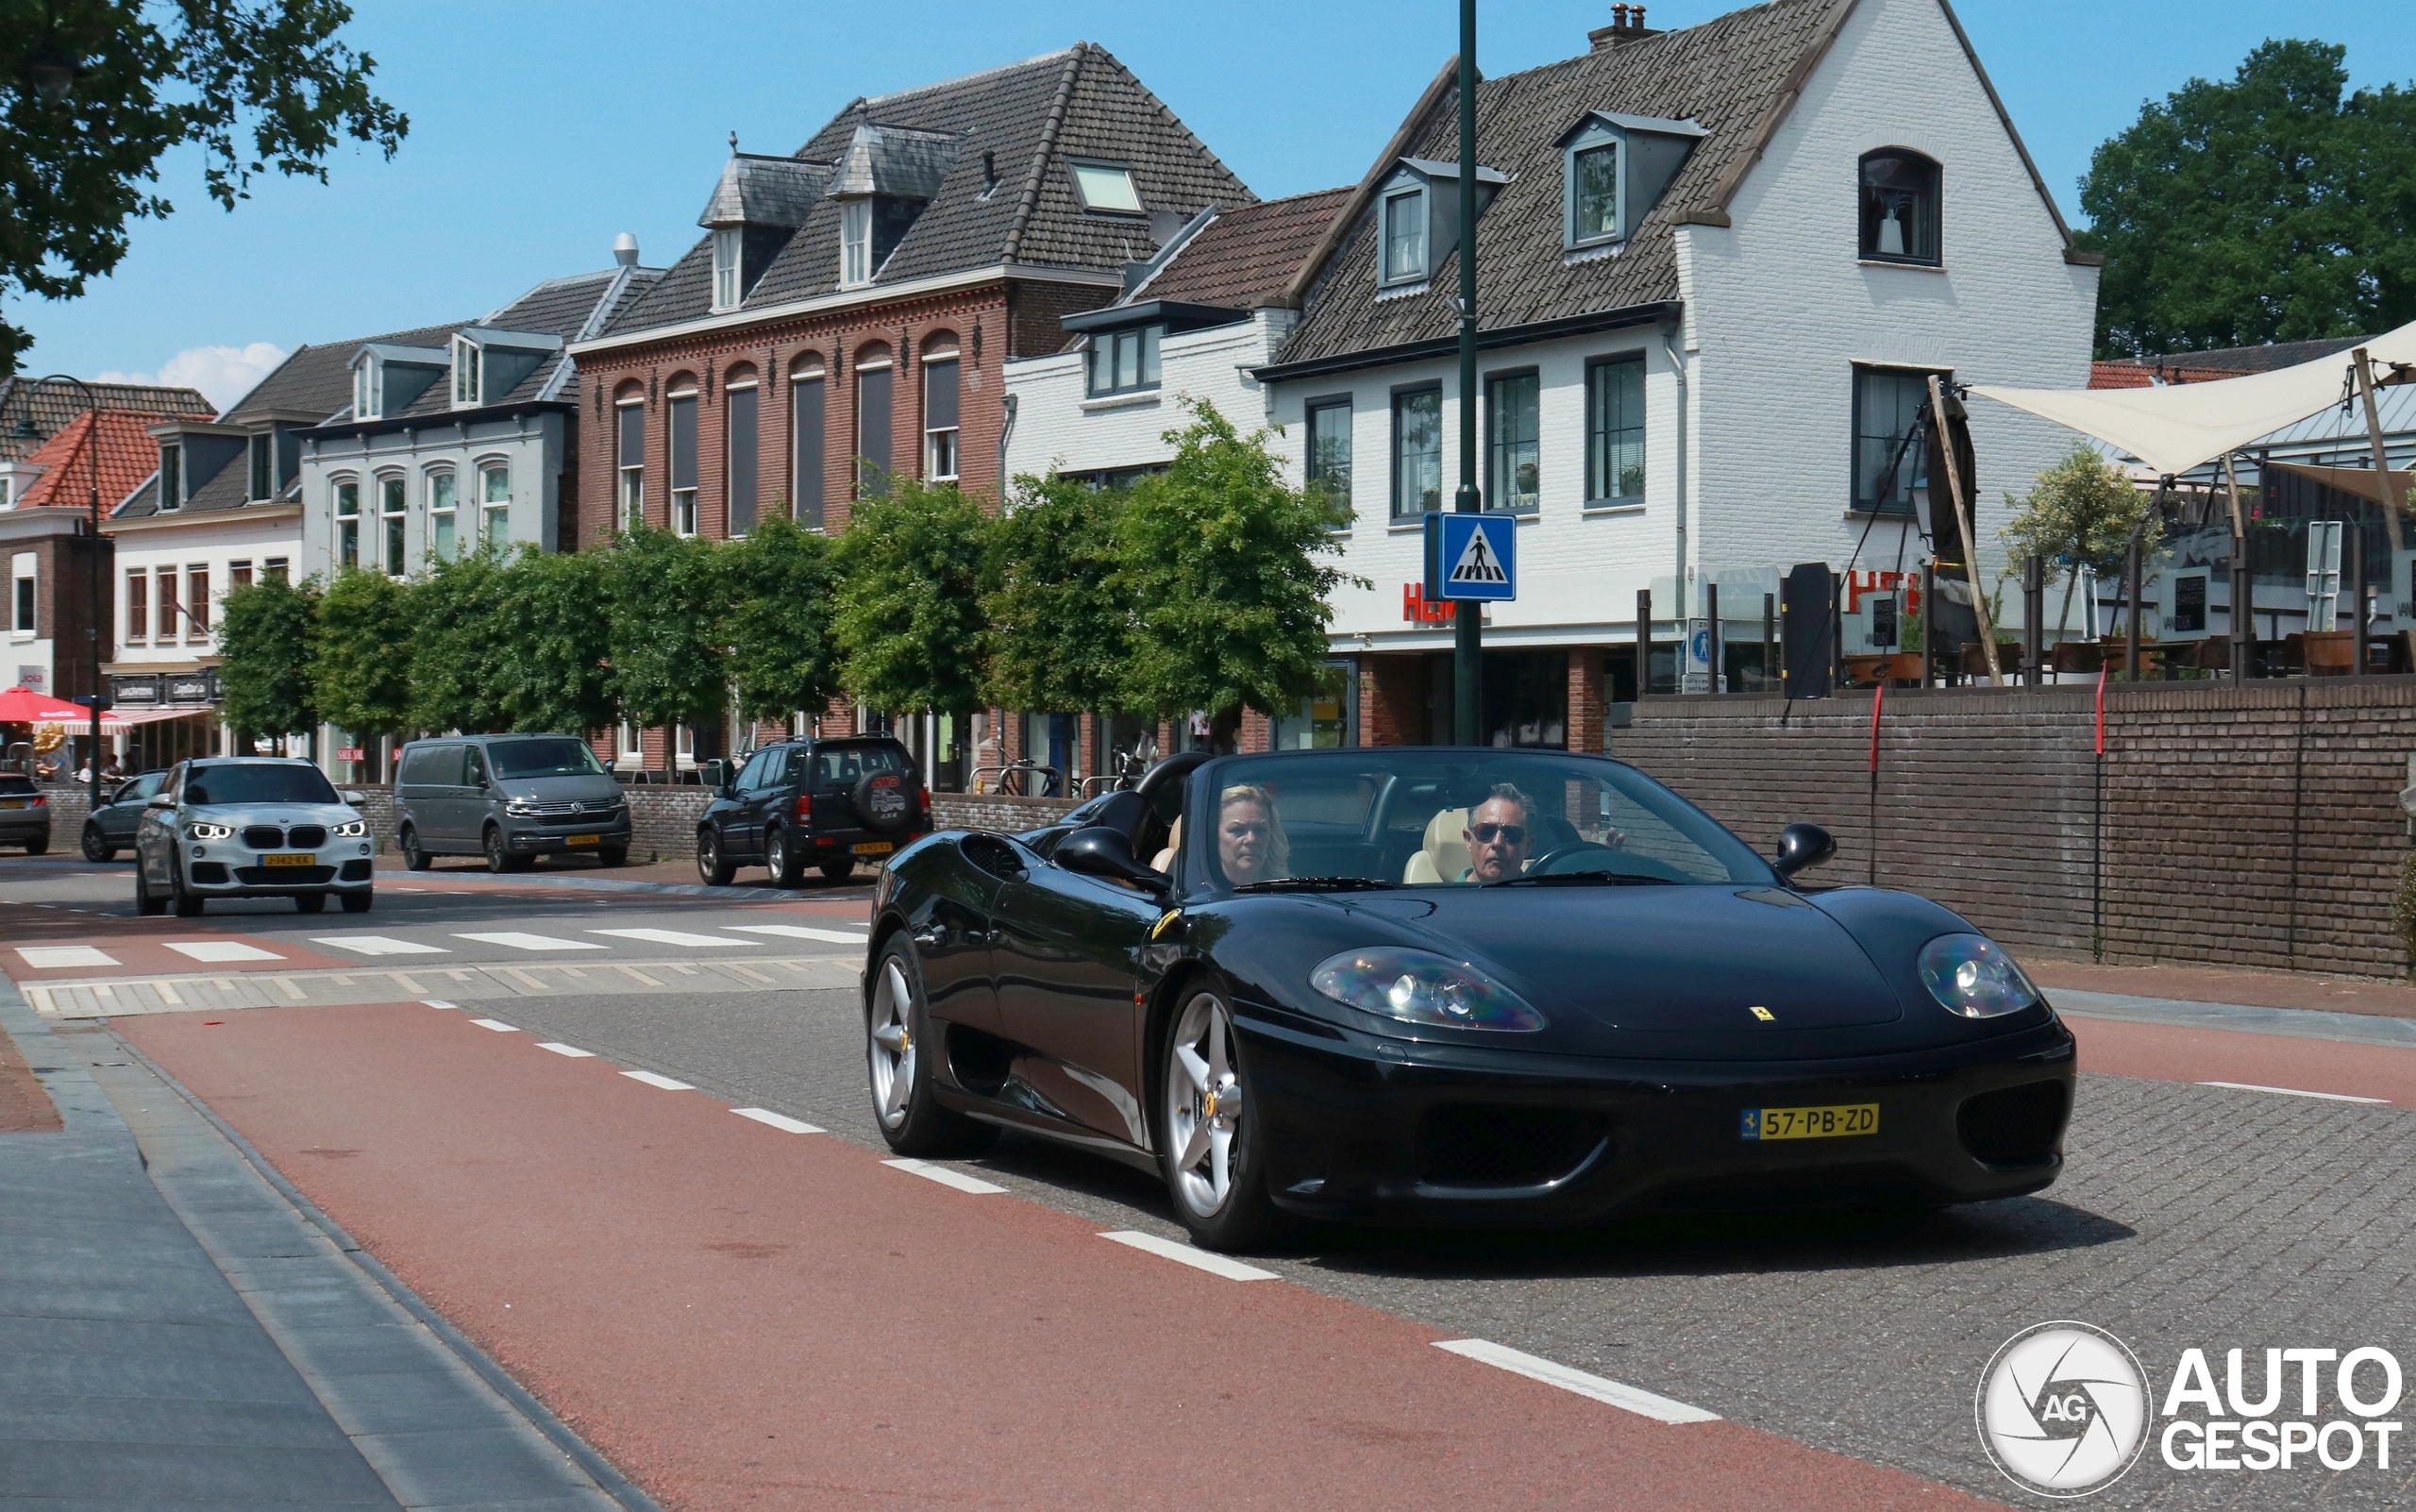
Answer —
93 452
1467 618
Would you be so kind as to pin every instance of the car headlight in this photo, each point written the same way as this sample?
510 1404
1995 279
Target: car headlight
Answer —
209 832
1420 988
351 826
519 808
1971 974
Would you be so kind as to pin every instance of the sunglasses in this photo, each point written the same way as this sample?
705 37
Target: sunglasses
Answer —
1511 835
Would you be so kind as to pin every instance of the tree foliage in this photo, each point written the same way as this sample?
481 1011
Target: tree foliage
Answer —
776 589
2080 515
459 661
254 84
1060 629
907 617
264 638
2276 206
558 675
668 663
1219 565
361 670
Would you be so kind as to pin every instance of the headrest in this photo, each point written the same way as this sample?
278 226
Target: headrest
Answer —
1445 845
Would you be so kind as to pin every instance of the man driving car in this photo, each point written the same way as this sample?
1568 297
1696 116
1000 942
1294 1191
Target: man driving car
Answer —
1500 832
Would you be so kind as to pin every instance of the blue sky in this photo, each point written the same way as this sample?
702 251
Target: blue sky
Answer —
540 128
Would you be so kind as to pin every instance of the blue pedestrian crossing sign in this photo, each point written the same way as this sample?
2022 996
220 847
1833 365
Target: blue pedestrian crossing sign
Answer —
1472 556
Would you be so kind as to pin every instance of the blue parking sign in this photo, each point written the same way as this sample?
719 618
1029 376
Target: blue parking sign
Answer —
1472 556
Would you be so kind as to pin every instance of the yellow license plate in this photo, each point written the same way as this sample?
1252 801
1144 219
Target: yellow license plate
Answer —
1811 1123
581 839
293 858
874 847
12 803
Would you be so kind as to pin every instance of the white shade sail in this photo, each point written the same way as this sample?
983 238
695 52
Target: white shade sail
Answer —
2175 427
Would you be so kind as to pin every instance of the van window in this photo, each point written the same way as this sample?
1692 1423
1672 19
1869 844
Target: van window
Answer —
432 763
843 765
556 756
474 770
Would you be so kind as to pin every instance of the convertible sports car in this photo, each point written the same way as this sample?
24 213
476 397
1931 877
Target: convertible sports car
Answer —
1450 985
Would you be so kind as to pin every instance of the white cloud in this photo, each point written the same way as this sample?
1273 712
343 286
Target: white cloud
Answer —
223 374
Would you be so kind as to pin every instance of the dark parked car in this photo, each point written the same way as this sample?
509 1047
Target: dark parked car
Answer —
509 798
823 803
111 830
24 813
1451 985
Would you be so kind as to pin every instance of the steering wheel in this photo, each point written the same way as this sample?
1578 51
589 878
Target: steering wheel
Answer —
1543 865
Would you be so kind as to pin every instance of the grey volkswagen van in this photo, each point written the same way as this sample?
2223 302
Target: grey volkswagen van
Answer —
509 798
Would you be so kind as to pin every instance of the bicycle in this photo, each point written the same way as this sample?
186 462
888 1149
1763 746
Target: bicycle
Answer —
1029 779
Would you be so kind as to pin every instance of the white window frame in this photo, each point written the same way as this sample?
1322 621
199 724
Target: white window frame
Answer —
393 524
1385 276
1089 173
198 625
855 243
138 606
25 567
630 498
364 390
728 243
344 489
489 509
466 366
1592 138
444 514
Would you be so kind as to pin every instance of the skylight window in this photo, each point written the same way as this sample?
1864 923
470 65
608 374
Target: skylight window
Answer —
1106 186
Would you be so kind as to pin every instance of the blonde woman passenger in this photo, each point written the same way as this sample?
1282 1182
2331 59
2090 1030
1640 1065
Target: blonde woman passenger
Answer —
1251 843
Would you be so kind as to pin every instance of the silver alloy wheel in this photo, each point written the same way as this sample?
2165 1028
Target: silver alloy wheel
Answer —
776 857
1203 1104
891 1045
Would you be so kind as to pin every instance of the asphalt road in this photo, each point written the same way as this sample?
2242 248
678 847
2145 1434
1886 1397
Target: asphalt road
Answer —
2190 1217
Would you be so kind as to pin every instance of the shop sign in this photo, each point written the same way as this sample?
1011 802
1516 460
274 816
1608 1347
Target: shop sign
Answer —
1417 609
35 679
192 687
351 753
142 692
1859 584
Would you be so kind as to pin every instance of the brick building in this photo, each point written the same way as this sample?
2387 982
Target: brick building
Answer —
844 318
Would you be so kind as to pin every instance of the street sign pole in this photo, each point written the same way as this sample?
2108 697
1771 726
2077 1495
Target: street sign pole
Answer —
1467 645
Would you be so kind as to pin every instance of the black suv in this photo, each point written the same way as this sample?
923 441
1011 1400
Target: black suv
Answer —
824 803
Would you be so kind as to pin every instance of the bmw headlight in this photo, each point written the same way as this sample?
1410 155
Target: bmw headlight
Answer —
350 827
1420 988
209 832
1971 974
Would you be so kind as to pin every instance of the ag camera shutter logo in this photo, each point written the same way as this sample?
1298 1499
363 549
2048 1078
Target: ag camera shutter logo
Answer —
2063 1409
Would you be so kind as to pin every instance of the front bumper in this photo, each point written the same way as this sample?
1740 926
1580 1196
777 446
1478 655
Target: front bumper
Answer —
223 870
531 838
1364 1129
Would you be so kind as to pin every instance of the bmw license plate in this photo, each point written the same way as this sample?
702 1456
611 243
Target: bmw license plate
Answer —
1810 1123
291 858
873 847
581 839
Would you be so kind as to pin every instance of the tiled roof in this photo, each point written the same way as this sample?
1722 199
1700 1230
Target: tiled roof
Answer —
127 453
558 307
51 405
317 379
1026 120
1247 254
2147 375
1729 75
2257 359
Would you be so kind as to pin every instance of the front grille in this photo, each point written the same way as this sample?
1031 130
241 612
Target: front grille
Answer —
208 871
2013 1126
307 836
264 837
355 870
1474 1144
284 876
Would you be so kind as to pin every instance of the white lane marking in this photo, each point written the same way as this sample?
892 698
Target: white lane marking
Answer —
48 956
1550 1373
570 1050
495 1024
2294 1092
519 941
800 932
377 945
437 1002
664 1082
1216 1265
944 1176
221 951
667 937
777 1120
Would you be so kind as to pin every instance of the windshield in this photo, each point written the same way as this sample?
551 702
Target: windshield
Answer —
266 782
1374 817
559 757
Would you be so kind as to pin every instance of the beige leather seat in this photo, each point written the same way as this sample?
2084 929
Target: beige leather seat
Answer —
1444 856
1163 861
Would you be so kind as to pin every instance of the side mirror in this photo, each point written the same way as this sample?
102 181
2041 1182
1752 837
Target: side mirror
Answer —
1099 851
1800 845
352 798
723 790
161 801
715 774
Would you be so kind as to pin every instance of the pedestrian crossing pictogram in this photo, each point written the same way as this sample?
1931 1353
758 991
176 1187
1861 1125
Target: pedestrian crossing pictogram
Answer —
1477 563
1471 555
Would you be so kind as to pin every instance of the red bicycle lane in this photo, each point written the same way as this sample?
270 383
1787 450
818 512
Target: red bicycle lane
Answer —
742 1317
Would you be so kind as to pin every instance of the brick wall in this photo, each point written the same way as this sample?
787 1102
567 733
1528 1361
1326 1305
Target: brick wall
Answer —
2254 827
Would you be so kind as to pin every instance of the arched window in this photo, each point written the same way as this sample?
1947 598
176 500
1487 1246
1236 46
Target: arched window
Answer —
740 408
495 505
629 412
806 411
876 394
348 532
1899 207
444 537
679 451
394 511
940 386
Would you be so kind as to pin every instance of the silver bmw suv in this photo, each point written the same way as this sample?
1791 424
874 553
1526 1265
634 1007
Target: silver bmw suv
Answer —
251 827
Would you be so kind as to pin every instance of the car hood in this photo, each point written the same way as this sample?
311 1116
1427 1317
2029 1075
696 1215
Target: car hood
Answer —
590 788
329 814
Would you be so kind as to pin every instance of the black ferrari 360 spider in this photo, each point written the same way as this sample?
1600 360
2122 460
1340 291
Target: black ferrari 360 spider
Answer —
1457 985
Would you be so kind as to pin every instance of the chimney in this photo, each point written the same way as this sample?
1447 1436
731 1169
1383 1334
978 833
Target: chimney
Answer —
1627 25
625 250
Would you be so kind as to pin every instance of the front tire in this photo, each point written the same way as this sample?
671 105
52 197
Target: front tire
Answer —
713 866
97 848
310 902
898 1050
144 903
615 857
36 847
779 858
188 905
356 902
1210 1138
414 859
837 871
500 859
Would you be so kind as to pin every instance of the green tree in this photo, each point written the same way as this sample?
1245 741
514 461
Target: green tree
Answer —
2080 514
1060 629
2276 206
361 654
459 653
907 620
558 673
92 93
264 636
776 597
669 667
1220 565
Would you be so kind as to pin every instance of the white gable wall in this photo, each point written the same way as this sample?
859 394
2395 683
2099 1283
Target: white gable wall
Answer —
1059 429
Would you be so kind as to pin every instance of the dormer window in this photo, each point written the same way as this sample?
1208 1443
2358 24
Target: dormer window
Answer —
1106 187
1614 169
172 479
855 243
1125 362
465 373
1899 207
364 392
1594 192
1404 232
727 245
